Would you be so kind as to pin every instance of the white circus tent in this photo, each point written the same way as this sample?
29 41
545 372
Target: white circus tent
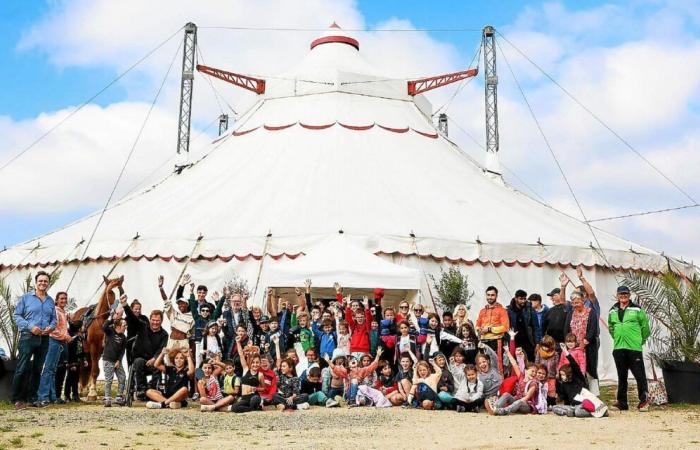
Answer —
333 145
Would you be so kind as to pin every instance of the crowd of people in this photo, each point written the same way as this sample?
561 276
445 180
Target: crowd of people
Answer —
523 358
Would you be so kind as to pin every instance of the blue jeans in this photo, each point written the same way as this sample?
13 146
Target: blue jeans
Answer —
352 392
47 386
31 353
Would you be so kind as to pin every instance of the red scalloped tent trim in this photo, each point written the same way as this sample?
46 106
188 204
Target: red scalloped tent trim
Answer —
316 127
356 127
344 125
281 127
241 133
395 130
430 135
223 258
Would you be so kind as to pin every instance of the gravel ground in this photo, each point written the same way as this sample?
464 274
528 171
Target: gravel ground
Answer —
92 426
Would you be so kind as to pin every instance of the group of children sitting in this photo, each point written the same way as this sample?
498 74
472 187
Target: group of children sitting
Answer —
356 353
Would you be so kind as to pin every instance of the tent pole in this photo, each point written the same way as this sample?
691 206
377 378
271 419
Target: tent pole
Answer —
187 263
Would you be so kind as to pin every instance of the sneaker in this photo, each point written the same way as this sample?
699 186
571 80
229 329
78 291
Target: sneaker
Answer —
643 406
207 408
488 404
60 401
461 409
304 405
20 405
499 412
175 405
331 403
41 404
120 401
620 406
195 397
153 405
107 403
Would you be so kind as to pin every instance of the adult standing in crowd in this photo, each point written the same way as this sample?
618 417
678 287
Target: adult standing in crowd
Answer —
582 322
58 350
555 318
538 312
151 339
629 327
35 316
493 321
521 319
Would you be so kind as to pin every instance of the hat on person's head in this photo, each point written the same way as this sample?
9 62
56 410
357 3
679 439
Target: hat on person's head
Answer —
264 319
338 353
436 355
212 323
623 290
182 300
554 292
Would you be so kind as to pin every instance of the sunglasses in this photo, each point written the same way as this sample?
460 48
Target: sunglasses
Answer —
418 310
403 307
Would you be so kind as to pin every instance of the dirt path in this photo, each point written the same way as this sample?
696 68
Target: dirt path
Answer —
89 427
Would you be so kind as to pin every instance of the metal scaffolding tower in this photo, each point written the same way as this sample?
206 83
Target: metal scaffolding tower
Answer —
186 85
491 98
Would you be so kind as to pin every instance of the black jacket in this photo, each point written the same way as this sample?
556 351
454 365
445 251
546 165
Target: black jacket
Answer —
555 322
115 343
528 317
567 391
148 343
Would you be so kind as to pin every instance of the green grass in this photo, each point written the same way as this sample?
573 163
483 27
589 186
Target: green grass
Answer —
182 434
17 442
608 395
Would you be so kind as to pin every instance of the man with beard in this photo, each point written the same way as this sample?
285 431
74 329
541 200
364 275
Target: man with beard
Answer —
521 320
493 321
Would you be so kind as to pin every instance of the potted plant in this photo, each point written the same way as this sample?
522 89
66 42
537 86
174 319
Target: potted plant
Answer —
452 289
9 335
672 302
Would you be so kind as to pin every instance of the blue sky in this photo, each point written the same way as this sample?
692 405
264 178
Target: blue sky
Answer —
57 53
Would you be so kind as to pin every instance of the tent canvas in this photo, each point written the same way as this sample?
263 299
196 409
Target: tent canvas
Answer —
335 259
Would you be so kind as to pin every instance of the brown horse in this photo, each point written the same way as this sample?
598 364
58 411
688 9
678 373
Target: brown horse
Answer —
94 339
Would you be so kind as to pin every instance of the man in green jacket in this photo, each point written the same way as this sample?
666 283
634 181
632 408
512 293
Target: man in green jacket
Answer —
629 328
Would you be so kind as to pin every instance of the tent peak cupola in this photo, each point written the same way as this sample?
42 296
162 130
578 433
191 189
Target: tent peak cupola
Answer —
335 35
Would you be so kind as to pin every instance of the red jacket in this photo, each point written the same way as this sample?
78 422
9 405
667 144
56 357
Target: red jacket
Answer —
270 384
359 341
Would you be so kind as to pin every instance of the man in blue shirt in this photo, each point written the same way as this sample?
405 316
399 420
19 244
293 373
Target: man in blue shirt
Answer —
35 316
